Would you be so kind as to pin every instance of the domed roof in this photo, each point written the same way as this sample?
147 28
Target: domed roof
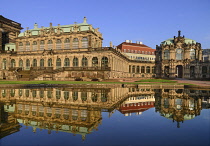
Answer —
171 41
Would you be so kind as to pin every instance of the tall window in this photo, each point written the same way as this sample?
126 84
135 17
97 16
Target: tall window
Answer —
27 46
153 69
50 44
13 63
204 69
84 42
148 69
179 54
66 95
75 62
192 53
42 45
142 69
58 44
67 43
75 43
27 64
34 63
66 62
49 62
166 54
104 62
41 62
34 45
137 69
20 46
133 69
58 63
21 63
84 62
94 61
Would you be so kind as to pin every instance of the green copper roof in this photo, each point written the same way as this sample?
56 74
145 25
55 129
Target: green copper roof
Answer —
84 26
171 41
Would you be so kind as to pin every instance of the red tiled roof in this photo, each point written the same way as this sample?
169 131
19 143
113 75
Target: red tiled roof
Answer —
134 46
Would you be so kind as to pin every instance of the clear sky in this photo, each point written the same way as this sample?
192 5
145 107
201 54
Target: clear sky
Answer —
149 21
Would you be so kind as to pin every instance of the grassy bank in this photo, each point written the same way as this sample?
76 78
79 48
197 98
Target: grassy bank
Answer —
157 80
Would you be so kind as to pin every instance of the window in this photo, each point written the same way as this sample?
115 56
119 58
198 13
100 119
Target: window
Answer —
20 46
34 45
179 54
58 63
27 64
42 45
41 62
133 69
94 61
75 43
67 43
84 62
148 69
66 95
50 62
66 62
58 44
34 63
84 42
84 96
137 69
13 63
104 62
142 69
27 46
75 62
204 69
192 53
166 54
21 63
50 44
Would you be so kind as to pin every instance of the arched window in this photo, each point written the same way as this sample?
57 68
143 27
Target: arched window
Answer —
49 62
166 54
75 44
42 45
94 97
148 69
27 46
142 69
41 62
58 63
75 95
84 62
84 42
137 69
41 93
103 97
67 43
66 62
20 46
20 63
192 53
58 94
153 69
179 54
133 69
34 45
58 44
94 61
34 93
66 95
27 64
34 63
49 94
75 62
50 44
4 64
104 62
13 63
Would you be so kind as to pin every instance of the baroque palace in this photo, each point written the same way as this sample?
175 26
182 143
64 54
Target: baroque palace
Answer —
66 52
75 52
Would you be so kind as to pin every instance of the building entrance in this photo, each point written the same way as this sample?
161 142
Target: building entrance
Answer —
179 71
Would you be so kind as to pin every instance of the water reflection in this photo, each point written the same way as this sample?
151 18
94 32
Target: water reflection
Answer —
79 110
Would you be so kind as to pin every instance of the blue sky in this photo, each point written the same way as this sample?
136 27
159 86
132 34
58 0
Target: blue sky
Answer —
149 21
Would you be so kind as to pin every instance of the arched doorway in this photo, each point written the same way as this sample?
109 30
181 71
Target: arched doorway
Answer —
179 71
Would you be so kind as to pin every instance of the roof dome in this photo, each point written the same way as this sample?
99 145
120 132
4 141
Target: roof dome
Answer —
171 41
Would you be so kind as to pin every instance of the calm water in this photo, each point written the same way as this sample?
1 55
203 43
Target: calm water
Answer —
104 116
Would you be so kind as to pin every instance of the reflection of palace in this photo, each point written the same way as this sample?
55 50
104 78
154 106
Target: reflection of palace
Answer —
139 100
76 111
180 104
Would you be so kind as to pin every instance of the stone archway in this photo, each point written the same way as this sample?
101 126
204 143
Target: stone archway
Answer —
179 71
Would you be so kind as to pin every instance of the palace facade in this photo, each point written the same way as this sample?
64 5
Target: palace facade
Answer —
67 52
